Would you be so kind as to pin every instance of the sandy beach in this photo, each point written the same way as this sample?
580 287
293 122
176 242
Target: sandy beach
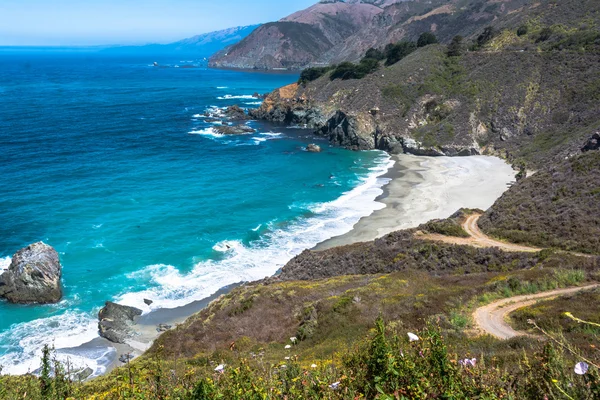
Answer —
426 188
419 189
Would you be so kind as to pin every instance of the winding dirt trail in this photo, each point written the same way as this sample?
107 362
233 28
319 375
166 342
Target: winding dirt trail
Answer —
477 238
492 318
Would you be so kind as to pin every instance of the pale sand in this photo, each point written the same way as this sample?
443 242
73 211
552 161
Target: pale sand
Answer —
426 188
420 189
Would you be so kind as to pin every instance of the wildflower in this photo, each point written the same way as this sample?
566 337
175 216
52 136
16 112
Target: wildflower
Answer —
287 358
313 366
468 362
334 385
581 368
220 368
294 339
287 346
412 337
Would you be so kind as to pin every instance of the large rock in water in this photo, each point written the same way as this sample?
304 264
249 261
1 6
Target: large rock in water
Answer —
33 276
116 321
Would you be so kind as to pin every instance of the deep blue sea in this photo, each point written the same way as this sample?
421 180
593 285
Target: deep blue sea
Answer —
109 160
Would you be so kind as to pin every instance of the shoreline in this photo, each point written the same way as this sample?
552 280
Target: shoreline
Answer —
417 190
426 188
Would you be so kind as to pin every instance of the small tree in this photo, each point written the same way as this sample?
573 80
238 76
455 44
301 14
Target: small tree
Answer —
426 39
487 35
522 31
455 48
398 51
375 54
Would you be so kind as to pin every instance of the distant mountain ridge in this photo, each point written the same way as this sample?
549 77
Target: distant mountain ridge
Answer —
301 38
202 45
333 31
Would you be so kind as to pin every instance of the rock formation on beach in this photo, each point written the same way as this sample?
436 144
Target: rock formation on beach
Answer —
33 276
116 321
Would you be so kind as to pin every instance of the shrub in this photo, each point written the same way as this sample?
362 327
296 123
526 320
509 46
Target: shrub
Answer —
426 38
375 54
312 74
487 35
544 35
348 70
396 52
455 48
522 31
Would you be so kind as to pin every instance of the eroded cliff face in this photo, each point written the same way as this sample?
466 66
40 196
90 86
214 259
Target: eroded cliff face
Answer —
514 104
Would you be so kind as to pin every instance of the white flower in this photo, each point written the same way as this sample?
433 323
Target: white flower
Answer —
287 358
220 368
334 385
313 366
287 346
294 339
581 368
412 337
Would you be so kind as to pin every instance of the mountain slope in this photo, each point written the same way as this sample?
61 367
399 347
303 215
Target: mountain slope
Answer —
299 39
200 45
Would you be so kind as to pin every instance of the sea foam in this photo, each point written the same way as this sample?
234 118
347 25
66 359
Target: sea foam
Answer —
233 97
5 263
279 244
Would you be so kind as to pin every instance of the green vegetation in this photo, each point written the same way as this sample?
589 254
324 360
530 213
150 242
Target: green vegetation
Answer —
426 39
448 227
556 207
397 51
455 48
348 70
312 74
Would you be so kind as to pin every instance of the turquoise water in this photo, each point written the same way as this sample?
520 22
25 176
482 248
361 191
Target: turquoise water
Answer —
110 161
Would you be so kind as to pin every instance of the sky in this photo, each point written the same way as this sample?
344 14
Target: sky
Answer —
103 22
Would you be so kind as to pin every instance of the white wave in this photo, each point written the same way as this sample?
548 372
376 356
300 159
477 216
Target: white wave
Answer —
228 245
274 134
231 97
259 140
98 226
172 288
67 330
222 87
206 132
198 116
257 228
253 103
5 263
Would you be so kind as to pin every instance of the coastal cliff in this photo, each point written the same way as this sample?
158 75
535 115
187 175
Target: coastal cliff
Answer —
509 103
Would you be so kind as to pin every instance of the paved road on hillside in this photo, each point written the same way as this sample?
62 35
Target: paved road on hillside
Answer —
492 318
477 238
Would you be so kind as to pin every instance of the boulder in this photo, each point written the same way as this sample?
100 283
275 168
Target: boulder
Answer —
313 148
233 129
593 143
148 302
116 321
33 276
236 112
163 327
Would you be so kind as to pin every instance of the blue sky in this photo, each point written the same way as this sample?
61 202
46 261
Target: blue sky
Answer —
95 22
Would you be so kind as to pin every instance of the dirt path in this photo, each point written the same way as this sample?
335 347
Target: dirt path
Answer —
492 318
478 238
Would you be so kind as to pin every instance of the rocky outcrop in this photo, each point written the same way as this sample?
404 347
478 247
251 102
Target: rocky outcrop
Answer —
116 321
593 143
313 148
33 276
233 129
236 113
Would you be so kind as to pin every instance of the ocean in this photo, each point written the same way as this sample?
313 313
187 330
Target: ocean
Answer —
110 161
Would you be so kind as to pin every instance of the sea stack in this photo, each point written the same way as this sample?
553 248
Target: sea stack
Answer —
313 148
33 276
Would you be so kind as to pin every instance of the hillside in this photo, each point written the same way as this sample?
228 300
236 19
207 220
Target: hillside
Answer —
335 31
201 45
556 207
299 39
519 97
